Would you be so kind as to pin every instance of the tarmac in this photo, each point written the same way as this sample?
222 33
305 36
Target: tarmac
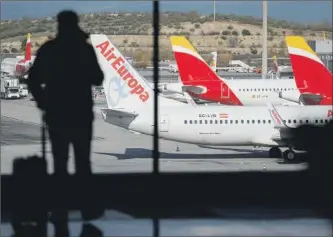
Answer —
116 150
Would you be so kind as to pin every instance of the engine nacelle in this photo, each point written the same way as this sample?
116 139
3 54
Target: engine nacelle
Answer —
293 96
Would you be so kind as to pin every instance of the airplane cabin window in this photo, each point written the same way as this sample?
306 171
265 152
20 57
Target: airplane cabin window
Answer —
321 121
289 121
284 121
216 121
211 121
306 121
185 121
301 121
195 121
264 121
253 121
242 121
200 121
295 121
226 122
236 121
269 121
206 121
231 121
190 121
316 121
221 121
258 121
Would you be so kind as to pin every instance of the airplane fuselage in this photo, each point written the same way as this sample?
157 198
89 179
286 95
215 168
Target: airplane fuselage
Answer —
245 91
224 125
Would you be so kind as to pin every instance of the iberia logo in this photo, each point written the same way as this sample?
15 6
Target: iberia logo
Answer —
118 64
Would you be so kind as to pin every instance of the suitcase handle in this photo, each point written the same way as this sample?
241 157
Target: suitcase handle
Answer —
43 136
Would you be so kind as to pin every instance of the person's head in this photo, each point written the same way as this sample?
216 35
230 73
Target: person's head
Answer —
68 23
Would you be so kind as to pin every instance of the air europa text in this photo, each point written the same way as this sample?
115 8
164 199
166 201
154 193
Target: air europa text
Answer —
117 63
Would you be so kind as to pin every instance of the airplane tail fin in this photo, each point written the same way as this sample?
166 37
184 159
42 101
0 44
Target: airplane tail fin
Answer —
124 87
27 55
191 66
311 75
214 61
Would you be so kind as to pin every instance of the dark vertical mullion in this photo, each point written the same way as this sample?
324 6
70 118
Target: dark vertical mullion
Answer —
156 23
156 152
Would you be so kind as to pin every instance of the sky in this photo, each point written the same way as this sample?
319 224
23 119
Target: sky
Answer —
297 11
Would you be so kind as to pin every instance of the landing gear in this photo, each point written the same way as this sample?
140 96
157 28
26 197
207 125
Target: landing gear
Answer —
275 152
289 156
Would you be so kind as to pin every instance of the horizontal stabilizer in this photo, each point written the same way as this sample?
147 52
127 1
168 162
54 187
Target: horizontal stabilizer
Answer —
194 89
311 99
108 113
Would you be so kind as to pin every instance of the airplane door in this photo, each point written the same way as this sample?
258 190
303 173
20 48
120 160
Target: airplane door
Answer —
164 123
224 90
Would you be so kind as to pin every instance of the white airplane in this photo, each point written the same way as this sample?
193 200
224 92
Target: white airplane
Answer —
130 106
201 82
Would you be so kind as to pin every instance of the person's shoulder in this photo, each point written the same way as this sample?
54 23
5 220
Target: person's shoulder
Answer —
46 47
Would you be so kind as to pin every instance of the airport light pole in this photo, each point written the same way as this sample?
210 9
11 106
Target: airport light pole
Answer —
214 12
264 36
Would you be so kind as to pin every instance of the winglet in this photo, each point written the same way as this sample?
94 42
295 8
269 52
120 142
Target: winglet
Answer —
189 99
277 120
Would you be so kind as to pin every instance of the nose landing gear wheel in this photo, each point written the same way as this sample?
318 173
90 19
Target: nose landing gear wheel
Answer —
289 156
275 152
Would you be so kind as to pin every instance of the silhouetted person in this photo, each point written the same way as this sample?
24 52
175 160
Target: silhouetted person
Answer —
61 80
318 141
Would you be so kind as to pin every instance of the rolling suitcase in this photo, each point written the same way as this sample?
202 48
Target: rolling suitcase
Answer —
30 189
